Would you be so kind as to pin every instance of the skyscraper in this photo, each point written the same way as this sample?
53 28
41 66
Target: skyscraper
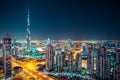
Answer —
7 56
60 62
28 32
69 43
49 57
117 64
70 61
78 62
64 56
14 52
103 64
90 60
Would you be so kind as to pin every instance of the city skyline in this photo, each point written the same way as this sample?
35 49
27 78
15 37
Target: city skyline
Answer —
67 19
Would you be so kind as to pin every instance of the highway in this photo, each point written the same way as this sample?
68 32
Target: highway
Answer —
24 74
29 67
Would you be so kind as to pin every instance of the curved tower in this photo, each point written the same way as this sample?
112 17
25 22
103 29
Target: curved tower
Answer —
28 32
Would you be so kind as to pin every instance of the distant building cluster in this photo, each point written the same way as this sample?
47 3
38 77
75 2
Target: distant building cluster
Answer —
103 60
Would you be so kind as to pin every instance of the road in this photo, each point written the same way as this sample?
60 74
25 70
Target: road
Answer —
75 51
24 74
29 67
84 62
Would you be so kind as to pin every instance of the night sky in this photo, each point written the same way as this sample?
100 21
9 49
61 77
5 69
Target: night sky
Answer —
61 19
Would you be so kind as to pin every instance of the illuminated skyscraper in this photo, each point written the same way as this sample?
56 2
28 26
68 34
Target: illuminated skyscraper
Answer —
69 43
49 57
84 52
103 64
64 56
78 62
14 52
116 73
7 56
60 62
28 32
90 60
48 41
70 61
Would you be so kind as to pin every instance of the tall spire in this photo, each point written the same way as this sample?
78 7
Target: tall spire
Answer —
28 31
28 19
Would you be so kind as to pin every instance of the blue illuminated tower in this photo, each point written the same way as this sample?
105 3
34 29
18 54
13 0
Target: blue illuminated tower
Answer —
48 41
14 46
28 32
69 43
